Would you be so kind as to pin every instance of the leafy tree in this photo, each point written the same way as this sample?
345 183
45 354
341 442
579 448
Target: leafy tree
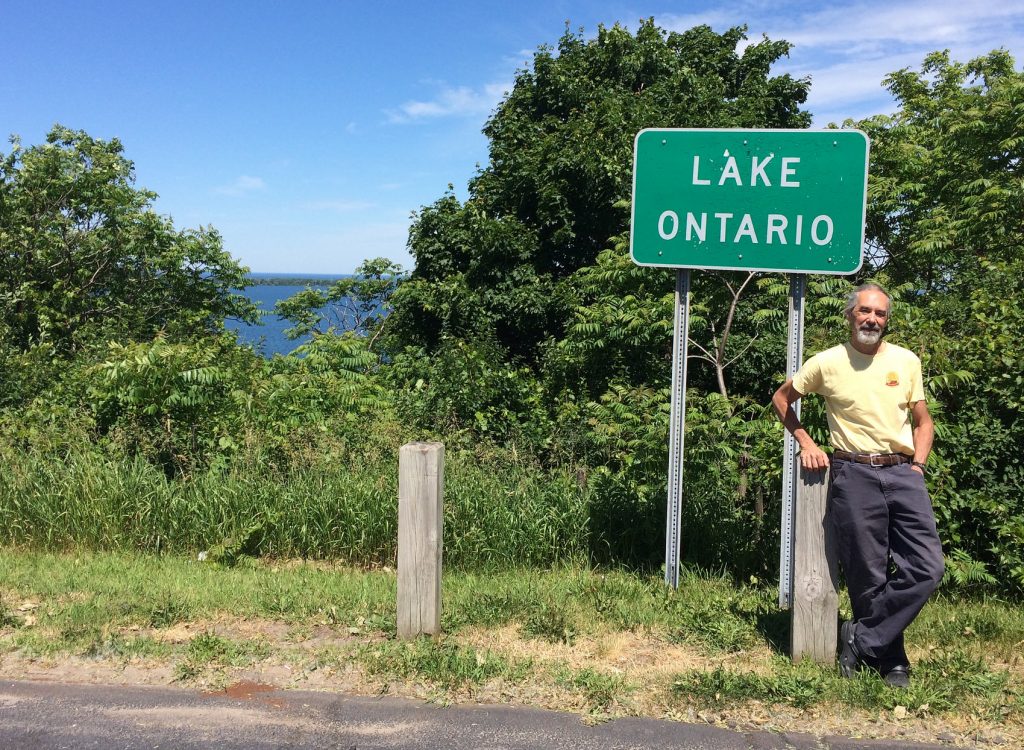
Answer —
946 170
359 303
555 191
946 219
84 258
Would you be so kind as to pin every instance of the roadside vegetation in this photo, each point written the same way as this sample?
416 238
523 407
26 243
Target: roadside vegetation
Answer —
606 643
132 423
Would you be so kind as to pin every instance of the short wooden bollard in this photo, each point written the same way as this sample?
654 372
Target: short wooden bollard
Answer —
814 632
420 535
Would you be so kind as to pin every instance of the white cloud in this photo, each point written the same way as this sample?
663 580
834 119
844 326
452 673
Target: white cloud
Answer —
457 101
923 23
847 48
241 185
855 81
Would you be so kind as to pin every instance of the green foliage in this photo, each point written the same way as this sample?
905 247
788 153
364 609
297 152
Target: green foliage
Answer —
467 390
443 662
945 186
174 402
550 622
544 207
359 303
599 689
332 501
211 651
326 384
620 330
946 211
85 258
723 687
7 617
943 682
524 338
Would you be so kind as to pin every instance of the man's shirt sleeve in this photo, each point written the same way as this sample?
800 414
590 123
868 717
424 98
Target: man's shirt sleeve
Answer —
809 378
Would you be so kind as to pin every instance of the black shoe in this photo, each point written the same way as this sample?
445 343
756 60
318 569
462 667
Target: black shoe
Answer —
849 656
898 676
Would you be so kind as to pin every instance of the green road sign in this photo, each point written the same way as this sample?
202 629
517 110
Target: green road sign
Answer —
757 200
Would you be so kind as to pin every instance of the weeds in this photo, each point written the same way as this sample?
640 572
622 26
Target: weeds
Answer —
950 682
168 610
209 651
599 689
7 617
550 622
495 513
441 662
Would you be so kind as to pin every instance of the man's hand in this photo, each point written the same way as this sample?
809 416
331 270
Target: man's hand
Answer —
813 458
918 469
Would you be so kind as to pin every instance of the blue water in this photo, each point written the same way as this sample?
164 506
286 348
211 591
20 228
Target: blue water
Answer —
269 337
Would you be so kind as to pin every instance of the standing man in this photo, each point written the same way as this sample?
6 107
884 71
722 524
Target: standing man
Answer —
878 507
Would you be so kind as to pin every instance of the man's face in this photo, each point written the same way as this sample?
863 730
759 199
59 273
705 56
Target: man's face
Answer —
869 317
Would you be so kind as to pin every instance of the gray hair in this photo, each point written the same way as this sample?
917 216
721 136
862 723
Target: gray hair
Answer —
851 298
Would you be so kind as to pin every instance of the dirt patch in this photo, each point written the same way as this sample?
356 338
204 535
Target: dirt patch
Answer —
247 690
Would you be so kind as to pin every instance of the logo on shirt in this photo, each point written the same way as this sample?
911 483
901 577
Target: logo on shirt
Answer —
892 379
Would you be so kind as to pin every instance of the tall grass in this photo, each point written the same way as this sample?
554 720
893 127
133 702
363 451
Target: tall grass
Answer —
496 512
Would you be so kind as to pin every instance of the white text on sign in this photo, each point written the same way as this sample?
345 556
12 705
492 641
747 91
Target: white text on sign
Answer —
731 171
773 229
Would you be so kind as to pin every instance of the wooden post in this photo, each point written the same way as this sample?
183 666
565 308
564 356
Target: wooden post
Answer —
815 611
420 536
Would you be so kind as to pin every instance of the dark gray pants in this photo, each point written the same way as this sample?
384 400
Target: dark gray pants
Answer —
889 550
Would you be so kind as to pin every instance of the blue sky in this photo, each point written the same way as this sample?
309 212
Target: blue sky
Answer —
308 132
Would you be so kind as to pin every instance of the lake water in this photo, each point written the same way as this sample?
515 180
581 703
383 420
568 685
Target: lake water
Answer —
269 337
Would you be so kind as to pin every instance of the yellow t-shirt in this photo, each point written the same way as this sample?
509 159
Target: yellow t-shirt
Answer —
867 397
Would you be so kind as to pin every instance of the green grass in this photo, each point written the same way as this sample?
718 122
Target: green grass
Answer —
598 689
949 681
441 662
115 606
209 651
496 513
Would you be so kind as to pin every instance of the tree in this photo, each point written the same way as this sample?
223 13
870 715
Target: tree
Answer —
84 258
359 303
946 171
555 191
946 219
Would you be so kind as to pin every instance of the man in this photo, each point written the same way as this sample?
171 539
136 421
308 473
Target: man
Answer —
878 507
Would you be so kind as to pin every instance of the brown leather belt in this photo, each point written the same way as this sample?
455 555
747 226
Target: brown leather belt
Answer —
874 459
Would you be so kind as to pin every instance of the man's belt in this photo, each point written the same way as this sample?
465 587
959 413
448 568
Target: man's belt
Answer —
874 459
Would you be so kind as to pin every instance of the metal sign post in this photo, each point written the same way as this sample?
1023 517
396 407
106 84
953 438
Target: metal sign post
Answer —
794 356
677 429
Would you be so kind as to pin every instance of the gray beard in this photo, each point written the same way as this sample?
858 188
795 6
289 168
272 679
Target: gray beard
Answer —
868 338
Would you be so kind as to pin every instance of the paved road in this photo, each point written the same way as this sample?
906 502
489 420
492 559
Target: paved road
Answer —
51 716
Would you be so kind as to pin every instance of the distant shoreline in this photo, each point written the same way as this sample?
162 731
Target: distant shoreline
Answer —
280 279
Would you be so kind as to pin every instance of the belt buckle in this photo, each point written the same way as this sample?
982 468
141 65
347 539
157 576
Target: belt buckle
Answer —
873 456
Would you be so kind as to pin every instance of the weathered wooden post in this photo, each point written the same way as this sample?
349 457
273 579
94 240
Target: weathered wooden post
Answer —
815 575
420 537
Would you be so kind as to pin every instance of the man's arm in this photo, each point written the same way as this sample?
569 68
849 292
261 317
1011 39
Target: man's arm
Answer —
812 457
924 432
